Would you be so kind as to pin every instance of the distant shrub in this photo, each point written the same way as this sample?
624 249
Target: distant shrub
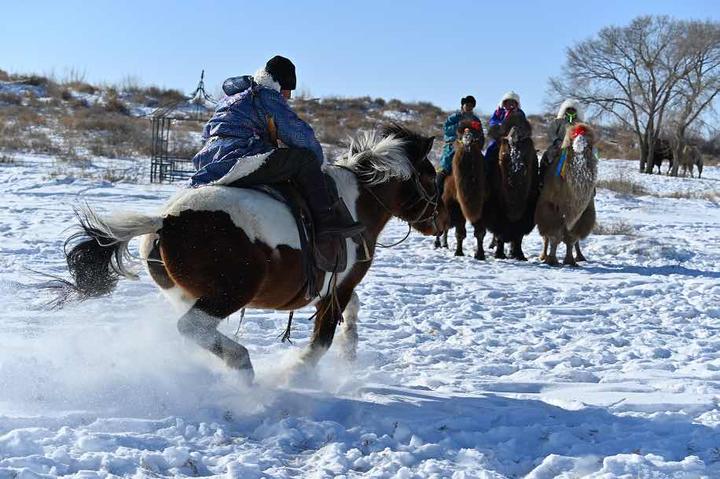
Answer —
114 104
7 98
623 186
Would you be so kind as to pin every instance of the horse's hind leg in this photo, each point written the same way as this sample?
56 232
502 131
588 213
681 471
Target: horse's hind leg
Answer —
200 325
444 241
349 334
479 232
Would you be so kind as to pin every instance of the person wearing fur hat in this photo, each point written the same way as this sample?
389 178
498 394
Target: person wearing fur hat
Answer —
568 114
509 105
467 104
245 130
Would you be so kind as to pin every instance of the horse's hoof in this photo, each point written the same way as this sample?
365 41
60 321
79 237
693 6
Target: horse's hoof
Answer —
520 257
500 256
580 258
459 253
480 256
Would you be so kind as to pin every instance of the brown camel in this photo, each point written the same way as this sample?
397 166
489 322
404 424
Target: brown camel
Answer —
566 208
465 190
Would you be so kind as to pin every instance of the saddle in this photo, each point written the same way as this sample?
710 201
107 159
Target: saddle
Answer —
290 195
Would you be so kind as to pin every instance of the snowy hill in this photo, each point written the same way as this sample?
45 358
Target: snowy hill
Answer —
465 369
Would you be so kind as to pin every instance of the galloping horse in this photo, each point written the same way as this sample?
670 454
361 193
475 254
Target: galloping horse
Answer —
220 249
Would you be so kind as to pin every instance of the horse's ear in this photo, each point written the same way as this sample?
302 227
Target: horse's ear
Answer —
428 145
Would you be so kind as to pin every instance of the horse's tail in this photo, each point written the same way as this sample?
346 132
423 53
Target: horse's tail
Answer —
97 254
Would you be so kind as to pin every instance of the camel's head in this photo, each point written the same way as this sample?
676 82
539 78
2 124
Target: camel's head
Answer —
581 139
469 133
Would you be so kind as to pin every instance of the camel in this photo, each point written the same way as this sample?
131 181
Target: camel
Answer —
465 191
565 210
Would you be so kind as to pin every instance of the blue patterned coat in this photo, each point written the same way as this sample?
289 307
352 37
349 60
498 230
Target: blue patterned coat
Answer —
239 127
450 135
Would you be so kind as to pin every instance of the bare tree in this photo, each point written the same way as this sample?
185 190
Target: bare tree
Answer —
700 88
629 74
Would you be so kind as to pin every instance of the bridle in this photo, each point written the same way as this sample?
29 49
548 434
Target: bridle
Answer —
431 203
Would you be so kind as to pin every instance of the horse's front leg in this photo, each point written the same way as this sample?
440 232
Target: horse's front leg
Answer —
200 325
445 239
329 314
349 335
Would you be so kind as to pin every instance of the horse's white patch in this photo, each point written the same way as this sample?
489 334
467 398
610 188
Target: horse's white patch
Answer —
179 298
261 217
146 244
348 190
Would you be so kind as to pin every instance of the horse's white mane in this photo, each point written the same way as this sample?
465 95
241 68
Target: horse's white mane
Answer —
375 159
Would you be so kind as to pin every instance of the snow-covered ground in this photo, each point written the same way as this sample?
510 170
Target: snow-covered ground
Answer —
465 369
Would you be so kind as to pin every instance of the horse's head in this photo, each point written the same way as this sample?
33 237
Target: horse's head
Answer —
416 200
394 167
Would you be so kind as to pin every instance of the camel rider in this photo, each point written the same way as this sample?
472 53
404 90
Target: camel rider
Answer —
244 130
450 135
509 104
568 114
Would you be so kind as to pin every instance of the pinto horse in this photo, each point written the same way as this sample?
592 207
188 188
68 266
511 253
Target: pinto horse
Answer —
220 249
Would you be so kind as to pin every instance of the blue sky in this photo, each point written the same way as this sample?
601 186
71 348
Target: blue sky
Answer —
411 50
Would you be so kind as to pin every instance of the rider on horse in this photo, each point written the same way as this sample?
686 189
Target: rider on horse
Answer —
467 104
246 128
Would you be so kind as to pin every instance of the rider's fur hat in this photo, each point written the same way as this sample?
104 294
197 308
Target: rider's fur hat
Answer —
511 95
468 99
282 71
570 103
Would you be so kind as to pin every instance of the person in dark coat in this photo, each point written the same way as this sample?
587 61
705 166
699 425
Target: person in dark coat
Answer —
243 136
509 105
568 114
467 104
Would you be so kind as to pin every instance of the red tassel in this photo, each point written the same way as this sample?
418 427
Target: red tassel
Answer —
577 131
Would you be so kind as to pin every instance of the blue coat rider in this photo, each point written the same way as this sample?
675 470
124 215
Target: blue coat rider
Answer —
467 104
246 127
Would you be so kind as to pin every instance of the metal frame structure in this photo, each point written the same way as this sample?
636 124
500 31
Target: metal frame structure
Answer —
165 164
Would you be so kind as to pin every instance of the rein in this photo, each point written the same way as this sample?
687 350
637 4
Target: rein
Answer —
430 200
